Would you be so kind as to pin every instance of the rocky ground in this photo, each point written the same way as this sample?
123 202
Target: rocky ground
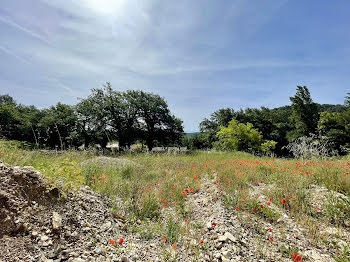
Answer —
38 224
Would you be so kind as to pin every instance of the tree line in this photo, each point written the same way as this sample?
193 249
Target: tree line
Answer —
275 127
105 115
136 116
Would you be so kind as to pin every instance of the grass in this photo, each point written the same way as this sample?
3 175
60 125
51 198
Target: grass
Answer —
150 183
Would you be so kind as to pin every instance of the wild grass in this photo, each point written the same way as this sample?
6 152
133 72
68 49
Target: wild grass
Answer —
147 183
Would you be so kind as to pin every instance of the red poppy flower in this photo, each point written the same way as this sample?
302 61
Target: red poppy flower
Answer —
298 259
174 245
261 206
213 224
268 203
237 208
163 236
294 255
202 242
112 242
271 239
270 198
260 181
186 220
283 201
270 230
254 209
121 241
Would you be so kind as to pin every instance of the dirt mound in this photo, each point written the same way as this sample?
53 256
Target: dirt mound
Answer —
38 224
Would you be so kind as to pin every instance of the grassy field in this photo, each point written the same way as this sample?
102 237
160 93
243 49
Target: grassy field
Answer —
148 184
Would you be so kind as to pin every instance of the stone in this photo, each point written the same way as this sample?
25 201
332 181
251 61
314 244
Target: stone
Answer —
230 237
224 259
56 221
124 259
219 245
209 226
223 238
44 238
34 234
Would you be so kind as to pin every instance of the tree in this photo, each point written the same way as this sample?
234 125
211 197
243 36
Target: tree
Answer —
212 125
154 117
304 114
7 99
239 137
347 100
336 126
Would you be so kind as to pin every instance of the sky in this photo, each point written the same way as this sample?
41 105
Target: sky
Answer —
199 55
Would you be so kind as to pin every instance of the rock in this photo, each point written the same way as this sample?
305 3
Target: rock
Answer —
209 226
106 226
226 254
193 242
78 260
34 234
223 238
97 251
44 238
124 259
224 259
230 237
56 221
219 245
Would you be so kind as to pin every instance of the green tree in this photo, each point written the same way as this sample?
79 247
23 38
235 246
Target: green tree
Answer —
304 114
239 137
336 126
155 121
347 100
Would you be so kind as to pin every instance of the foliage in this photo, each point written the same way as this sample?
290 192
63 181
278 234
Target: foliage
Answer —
239 137
311 146
304 113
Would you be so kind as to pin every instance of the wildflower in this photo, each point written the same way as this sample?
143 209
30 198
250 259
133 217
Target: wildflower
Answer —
99 181
194 177
268 203
213 224
202 242
2 153
121 241
271 239
166 203
294 255
261 206
191 190
283 201
237 208
93 177
270 230
163 240
186 220
174 245
162 199
112 242
163 236
270 198
260 181
298 259
174 186
254 209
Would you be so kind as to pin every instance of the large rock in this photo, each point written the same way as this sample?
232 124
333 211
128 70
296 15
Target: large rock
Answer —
56 221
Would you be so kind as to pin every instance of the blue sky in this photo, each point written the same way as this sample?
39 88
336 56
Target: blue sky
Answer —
200 55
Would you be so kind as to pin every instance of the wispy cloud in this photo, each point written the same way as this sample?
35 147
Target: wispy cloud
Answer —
9 52
23 29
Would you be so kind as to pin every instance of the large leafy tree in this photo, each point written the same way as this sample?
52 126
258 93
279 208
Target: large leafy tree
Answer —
239 136
336 126
156 122
304 114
